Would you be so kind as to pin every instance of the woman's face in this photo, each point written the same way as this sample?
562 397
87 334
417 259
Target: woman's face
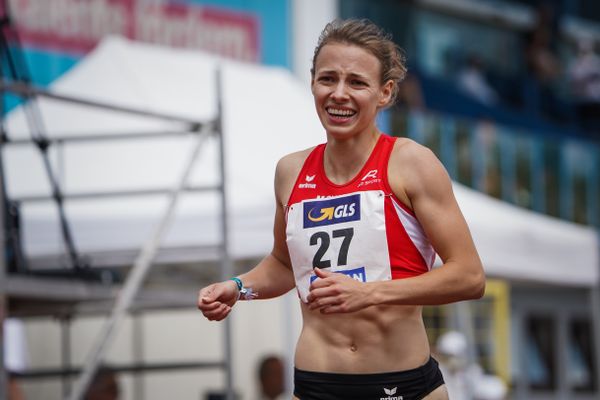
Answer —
347 89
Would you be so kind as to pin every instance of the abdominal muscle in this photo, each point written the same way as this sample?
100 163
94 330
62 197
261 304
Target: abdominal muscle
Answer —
373 340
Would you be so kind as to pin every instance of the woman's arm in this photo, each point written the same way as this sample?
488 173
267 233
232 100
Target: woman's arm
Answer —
272 276
419 177
421 182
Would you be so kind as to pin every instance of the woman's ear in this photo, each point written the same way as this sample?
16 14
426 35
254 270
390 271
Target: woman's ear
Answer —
385 94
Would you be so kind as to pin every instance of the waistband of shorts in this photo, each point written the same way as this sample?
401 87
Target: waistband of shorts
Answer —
383 378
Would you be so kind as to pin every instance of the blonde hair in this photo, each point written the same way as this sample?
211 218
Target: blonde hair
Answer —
365 34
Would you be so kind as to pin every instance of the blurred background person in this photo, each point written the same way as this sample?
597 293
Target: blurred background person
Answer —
271 378
410 94
459 374
472 80
451 349
465 379
584 79
15 392
542 64
489 387
104 386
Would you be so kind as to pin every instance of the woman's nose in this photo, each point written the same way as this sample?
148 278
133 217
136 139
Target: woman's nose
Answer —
339 91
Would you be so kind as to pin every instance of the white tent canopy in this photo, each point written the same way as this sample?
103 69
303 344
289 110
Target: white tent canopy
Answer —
518 244
267 113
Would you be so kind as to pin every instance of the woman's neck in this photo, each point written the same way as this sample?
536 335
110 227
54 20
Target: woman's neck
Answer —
343 159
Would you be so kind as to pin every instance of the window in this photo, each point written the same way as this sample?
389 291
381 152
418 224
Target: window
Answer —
540 353
581 370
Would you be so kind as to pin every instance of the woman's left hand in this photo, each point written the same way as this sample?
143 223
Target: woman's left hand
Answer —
337 293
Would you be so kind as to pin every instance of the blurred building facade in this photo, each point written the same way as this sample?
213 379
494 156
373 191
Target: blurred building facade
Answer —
528 147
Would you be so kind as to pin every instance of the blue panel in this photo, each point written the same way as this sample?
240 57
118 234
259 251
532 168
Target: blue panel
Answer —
44 67
448 145
384 122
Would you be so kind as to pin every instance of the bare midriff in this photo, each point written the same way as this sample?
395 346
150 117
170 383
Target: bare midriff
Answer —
373 340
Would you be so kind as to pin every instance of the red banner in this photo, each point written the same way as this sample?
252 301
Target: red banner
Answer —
76 26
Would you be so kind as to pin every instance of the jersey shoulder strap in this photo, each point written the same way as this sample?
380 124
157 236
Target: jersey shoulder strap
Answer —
306 176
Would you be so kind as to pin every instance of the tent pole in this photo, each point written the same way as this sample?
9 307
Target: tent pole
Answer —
30 90
3 297
66 359
226 262
595 308
3 244
134 280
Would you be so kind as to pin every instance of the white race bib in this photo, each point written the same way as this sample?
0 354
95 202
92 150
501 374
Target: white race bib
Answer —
343 234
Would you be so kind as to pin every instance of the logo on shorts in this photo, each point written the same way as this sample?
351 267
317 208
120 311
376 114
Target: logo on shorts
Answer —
390 394
332 211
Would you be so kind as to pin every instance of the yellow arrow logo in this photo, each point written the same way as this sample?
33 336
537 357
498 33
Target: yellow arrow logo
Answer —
326 213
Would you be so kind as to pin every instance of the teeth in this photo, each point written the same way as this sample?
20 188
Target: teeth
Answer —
343 113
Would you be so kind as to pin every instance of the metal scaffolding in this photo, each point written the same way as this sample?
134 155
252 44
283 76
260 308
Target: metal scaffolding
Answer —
32 290
47 295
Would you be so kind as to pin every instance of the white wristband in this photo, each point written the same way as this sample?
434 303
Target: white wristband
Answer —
247 293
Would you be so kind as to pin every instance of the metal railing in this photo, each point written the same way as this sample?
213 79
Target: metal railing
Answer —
557 176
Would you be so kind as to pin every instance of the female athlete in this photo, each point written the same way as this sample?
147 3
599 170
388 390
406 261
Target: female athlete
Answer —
358 222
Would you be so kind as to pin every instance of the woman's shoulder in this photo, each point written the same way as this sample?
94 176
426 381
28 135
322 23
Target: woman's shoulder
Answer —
291 164
407 150
287 170
413 166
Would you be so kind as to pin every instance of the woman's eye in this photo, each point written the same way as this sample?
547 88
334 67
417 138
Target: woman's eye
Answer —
358 83
326 79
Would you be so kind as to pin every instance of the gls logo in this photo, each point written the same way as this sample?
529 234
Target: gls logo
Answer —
331 211
390 394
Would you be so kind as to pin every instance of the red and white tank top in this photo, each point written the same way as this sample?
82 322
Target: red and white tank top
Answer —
359 228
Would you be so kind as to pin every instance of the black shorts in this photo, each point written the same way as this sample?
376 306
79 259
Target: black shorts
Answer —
413 384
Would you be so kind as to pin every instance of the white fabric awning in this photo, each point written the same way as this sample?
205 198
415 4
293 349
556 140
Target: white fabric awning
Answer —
267 114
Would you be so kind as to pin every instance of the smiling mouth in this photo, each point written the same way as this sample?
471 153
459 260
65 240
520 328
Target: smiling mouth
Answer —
340 113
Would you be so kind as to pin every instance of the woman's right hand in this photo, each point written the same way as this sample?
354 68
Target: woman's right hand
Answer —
216 300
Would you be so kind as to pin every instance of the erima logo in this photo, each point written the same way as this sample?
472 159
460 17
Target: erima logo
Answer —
331 211
390 394
358 274
309 178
